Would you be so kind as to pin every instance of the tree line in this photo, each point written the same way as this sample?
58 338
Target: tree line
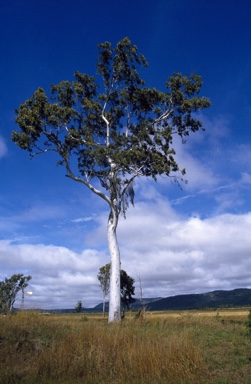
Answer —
10 287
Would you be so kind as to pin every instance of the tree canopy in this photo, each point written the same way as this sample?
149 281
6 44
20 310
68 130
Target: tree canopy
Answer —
112 131
127 127
9 289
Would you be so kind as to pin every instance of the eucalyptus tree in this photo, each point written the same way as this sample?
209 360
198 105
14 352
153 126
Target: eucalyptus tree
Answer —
112 131
9 289
126 286
104 280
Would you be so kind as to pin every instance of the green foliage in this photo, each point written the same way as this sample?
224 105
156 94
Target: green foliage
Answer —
79 306
126 285
113 130
9 289
127 290
104 278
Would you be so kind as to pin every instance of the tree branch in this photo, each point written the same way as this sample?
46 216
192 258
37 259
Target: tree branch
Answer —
164 116
86 183
73 138
41 151
128 120
107 125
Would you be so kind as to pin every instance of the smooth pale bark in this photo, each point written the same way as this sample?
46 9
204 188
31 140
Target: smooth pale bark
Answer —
114 303
103 305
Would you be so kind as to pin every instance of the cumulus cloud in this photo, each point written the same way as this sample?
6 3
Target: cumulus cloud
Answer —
172 250
199 174
170 253
188 255
60 276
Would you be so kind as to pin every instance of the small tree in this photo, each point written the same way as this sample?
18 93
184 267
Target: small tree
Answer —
109 133
126 286
142 310
104 279
127 290
9 289
79 306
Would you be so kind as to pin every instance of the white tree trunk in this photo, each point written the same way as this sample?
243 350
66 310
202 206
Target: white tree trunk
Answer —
104 296
114 303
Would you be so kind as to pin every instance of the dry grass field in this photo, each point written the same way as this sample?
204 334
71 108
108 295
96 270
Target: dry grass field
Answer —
180 347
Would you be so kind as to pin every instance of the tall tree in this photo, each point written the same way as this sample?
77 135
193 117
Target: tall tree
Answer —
104 280
9 289
112 132
126 286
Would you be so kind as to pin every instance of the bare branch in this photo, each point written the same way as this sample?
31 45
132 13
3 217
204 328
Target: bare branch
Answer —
41 151
128 121
164 116
86 183
107 125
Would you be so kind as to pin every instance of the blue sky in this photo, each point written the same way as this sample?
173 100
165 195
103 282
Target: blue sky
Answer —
175 241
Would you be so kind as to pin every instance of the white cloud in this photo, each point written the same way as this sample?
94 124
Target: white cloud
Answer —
175 254
3 147
198 173
57 272
82 219
246 178
172 254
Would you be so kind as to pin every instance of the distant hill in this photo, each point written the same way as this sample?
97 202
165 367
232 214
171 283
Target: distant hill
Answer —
240 297
135 305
